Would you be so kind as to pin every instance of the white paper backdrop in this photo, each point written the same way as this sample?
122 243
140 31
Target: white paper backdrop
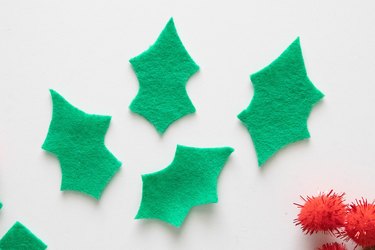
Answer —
81 49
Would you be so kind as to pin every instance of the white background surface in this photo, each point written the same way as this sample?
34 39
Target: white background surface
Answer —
81 49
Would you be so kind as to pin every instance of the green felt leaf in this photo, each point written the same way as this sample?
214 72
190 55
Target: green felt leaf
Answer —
20 238
283 99
190 180
163 71
77 139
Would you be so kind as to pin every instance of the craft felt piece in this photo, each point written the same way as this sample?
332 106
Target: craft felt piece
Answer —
283 99
77 139
20 238
190 180
163 71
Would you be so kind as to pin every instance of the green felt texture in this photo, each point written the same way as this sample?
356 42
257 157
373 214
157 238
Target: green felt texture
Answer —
20 238
163 71
77 139
1 205
190 180
283 99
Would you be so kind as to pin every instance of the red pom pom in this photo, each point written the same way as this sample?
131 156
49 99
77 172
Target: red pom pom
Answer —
360 223
332 246
325 212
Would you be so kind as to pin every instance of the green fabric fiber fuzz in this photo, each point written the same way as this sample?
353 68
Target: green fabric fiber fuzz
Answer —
77 139
20 238
283 99
190 180
163 71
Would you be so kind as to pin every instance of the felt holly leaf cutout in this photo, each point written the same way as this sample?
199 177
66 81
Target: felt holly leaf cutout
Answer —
20 238
77 139
163 71
283 99
190 180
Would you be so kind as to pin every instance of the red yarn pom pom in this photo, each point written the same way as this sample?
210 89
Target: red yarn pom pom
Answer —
325 212
332 246
360 223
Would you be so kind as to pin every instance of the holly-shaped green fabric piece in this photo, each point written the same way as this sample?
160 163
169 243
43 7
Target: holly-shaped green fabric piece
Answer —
283 99
77 139
190 180
163 71
20 238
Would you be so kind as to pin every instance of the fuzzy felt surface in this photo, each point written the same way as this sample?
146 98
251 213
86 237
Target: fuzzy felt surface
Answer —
77 139
190 180
163 71
283 99
20 238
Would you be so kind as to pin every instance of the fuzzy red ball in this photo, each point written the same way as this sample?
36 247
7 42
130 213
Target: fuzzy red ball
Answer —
360 223
325 212
332 246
